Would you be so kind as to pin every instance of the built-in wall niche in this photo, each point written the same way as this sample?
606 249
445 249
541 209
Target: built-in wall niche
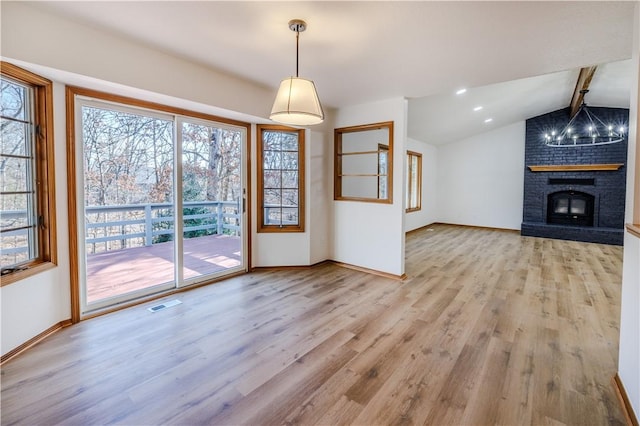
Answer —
364 163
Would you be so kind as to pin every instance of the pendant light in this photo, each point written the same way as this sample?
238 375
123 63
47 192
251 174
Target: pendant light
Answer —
297 101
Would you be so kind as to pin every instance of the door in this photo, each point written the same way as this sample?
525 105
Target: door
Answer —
162 199
213 200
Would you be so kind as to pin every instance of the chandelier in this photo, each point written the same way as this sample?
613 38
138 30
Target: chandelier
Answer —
297 101
585 129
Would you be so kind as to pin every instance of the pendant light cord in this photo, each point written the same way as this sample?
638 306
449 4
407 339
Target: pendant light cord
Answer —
297 49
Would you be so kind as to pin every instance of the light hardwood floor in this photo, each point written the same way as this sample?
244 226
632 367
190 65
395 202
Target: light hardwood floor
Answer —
488 328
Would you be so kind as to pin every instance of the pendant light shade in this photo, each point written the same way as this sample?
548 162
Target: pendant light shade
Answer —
297 101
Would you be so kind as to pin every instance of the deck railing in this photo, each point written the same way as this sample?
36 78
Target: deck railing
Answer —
117 227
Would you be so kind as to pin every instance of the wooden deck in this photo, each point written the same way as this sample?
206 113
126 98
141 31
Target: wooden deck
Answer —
122 271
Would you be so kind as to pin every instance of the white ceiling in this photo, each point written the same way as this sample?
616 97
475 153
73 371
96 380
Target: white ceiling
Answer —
358 52
447 117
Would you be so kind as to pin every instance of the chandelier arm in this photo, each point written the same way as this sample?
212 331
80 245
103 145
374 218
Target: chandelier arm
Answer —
591 122
568 126
604 126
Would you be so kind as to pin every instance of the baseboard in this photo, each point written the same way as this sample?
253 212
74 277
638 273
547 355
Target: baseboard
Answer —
282 267
334 262
624 401
34 340
491 228
371 271
423 227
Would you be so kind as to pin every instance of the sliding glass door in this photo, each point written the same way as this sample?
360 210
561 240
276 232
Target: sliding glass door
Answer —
212 195
162 201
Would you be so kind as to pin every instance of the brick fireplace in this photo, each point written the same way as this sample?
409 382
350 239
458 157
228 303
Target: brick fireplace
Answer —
574 193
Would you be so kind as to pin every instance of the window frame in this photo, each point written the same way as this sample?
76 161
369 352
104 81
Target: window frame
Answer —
409 188
43 164
267 228
338 163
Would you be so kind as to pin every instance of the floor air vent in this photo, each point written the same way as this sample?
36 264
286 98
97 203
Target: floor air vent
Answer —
164 305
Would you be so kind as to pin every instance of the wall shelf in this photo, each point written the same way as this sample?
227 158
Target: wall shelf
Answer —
575 167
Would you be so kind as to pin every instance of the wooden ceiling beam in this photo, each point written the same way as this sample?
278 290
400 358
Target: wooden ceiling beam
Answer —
584 80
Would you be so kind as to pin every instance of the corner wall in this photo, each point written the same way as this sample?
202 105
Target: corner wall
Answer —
371 235
480 179
629 354
32 305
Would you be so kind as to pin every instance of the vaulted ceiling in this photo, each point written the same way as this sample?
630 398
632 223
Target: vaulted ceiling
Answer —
358 52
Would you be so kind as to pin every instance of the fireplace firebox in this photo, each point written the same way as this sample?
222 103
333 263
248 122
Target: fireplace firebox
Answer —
572 208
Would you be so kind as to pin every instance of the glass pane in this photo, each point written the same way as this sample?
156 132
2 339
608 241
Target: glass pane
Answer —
272 197
15 174
578 206
128 182
289 141
272 160
272 216
382 162
562 206
272 179
382 187
408 185
14 211
289 216
290 161
290 197
14 138
271 141
13 100
15 247
212 193
413 181
290 180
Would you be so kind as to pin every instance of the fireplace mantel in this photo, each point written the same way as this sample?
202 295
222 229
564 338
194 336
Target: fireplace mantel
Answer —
575 167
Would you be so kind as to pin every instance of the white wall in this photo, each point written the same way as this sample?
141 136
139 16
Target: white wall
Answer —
32 305
371 235
320 190
481 179
629 356
429 212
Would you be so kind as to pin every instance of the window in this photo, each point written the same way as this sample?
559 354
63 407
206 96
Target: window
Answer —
383 161
280 179
27 223
414 181
363 163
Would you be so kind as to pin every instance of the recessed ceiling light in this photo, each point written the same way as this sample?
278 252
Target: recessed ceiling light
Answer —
478 108
488 120
461 91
